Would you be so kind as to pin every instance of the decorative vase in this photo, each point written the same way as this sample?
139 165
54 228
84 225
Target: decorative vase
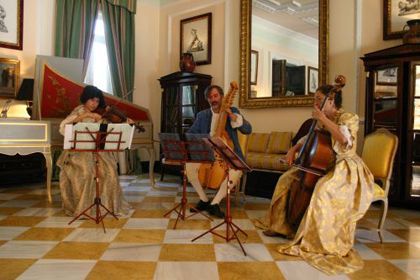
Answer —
413 34
187 63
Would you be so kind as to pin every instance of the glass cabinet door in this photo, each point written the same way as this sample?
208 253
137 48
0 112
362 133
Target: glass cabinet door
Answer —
385 101
415 132
188 106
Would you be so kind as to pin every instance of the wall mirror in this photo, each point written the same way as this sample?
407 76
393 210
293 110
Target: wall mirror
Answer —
283 53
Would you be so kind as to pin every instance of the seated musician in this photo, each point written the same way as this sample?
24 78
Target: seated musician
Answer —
77 169
206 122
325 235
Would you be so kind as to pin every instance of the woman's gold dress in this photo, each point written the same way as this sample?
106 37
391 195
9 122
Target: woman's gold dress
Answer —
77 177
326 233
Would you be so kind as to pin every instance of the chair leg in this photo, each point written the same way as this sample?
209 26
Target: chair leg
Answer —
162 171
382 220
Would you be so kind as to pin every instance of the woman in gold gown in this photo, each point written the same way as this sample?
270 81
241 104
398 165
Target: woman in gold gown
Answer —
326 233
77 169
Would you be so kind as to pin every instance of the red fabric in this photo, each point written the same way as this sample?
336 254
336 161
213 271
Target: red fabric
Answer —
61 95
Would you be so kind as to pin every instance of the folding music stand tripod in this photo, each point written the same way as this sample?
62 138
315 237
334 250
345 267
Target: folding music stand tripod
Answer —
175 151
95 141
229 160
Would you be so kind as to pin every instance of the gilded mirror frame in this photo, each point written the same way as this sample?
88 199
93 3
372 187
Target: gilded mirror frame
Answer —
245 55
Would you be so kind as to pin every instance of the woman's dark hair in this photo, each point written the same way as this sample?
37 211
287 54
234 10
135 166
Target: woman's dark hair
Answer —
210 88
338 98
90 92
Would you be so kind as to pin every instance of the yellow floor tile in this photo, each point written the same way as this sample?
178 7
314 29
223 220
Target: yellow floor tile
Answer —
46 204
159 199
249 270
189 224
110 222
45 234
256 206
154 236
33 197
122 270
252 237
395 250
146 213
238 214
411 234
15 267
9 210
21 221
60 213
189 194
77 250
2 242
272 248
187 252
379 269
414 220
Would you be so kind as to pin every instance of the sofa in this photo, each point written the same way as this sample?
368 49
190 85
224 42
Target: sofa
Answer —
263 153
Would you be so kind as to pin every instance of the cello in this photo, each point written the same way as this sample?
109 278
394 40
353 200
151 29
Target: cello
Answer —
211 175
316 157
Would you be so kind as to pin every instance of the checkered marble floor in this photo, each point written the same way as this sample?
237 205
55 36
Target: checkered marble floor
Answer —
36 241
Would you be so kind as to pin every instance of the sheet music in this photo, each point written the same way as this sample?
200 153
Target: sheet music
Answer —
126 137
68 136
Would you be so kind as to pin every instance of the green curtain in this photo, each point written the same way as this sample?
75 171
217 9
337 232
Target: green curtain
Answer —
129 5
119 36
74 28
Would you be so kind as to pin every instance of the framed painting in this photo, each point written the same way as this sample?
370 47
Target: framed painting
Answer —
254 67
195 38
387 76
11 24
9 71
312 79
396 15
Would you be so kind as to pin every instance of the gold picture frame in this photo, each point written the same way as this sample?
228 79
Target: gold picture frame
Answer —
396 15
9 82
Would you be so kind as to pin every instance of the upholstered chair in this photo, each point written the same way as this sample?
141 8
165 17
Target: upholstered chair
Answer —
379 150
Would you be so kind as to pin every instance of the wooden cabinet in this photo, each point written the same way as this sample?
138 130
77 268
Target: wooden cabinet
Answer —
393 102
182 98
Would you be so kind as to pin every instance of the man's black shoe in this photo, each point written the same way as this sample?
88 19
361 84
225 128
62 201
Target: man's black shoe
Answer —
214 209
201 206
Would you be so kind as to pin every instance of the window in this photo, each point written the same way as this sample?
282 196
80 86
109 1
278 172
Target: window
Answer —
98 73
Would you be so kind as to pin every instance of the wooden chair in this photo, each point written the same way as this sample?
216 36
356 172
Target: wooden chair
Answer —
379 151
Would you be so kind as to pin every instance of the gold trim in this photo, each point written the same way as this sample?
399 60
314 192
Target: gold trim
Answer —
245 53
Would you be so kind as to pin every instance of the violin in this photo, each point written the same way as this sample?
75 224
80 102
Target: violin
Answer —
112 114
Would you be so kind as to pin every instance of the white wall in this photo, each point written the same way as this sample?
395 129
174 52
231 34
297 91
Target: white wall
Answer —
38 30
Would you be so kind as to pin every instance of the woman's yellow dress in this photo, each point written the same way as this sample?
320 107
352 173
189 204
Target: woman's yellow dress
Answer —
325 236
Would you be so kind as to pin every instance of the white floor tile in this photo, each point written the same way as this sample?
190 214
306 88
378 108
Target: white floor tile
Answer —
8 196
244 224
366 253
132 252
389 223
372 236
58 269
411 267
8 233
255 214
232 252
26 249
144 223
61 222
300 270
39 212
186 270
186 236
92 235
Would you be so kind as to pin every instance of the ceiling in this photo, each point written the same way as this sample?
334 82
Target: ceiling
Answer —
298 15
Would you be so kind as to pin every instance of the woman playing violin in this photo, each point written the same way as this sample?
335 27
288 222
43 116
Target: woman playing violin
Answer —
77 169
325 235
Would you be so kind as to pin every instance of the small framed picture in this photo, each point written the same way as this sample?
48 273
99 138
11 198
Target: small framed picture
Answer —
312 79
9 70
396 15
196 38
254 67
11 24
387 76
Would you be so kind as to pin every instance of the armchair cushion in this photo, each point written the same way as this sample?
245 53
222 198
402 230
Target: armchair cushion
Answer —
258 142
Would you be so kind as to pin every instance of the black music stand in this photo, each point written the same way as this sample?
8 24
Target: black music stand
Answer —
230 160
175 151
96 138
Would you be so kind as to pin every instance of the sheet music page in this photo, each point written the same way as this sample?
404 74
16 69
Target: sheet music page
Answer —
126 136
68 135
84 135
